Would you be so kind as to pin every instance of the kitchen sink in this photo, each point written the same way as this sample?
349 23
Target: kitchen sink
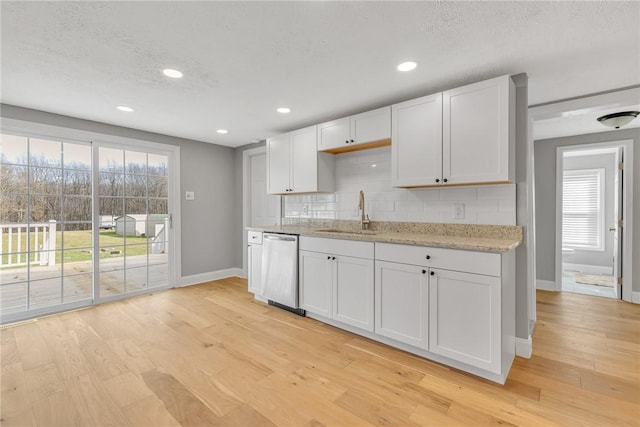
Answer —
333 230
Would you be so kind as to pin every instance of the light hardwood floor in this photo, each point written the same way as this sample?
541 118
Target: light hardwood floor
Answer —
211 355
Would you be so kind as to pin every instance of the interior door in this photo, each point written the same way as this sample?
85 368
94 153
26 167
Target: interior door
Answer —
616 229
265 208
134 238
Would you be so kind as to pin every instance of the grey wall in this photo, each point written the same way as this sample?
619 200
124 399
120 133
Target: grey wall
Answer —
209 223
607 162
524 323
545 178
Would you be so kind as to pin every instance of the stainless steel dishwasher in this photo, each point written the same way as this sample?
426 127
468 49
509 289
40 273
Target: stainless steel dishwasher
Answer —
280 271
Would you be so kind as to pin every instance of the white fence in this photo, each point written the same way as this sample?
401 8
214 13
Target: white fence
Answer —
14 250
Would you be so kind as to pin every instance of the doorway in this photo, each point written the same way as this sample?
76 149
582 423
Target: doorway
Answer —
259 208
593 219
590 206
82 222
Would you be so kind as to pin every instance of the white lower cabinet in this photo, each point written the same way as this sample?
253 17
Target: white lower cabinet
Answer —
402 303
457 305
464 318
353 292
336 280
315 272
450 305
254 261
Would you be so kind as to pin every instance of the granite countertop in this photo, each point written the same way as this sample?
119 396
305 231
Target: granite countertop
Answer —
484 238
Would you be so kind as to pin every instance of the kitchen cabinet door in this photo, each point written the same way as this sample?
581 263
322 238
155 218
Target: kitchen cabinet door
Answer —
371 126
316 277
334 134
416 151
254 263
477 132
402 303
464 318
304 160
278 164
353 292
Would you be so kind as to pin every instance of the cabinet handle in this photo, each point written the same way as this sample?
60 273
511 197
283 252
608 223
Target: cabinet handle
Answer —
433 273
328 257
333 258
437 179
428 257
346 141
352 141
445 180
424 271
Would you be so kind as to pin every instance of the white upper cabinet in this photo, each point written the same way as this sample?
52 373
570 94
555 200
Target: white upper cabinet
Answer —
365 130
333 134
295 166
417 142
462 136
278 164
477 132
304 160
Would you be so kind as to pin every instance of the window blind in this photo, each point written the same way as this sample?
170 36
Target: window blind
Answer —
583 209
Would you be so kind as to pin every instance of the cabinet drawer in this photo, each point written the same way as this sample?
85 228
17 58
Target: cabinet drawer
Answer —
337 247
254 237
449 259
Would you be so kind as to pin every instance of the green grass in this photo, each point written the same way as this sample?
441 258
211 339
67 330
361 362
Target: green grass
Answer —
78 245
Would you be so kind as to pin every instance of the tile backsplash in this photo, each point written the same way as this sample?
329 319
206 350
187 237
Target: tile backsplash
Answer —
370 171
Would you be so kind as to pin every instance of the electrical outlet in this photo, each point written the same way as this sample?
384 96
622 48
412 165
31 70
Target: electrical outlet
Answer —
190 195
305 208
458 211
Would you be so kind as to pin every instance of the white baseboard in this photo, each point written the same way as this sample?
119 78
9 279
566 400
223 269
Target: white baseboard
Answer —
635 297
587 269
524 348
546 285
210 276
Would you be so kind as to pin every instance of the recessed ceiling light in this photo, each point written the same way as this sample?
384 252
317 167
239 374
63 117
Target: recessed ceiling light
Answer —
407 66
170 72
222 131
124 108
283 110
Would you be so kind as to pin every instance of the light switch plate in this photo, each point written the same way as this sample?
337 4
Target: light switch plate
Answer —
458 211
190 195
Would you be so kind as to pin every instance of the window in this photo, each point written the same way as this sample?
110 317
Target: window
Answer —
80 222
583 209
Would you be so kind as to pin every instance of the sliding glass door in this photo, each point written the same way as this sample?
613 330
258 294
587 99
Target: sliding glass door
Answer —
134 221
80 223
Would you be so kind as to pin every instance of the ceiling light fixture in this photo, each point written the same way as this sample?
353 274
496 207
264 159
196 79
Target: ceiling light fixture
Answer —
124 108
222 131
170 72
616 120
284 110
407 66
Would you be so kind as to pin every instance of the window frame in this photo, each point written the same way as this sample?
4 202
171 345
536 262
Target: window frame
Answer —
599 246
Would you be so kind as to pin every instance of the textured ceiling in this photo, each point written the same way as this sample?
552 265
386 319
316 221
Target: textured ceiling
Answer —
241 60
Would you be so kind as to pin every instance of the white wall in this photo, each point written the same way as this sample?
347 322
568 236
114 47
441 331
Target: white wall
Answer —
370 170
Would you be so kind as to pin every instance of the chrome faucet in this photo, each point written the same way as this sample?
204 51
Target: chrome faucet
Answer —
364 221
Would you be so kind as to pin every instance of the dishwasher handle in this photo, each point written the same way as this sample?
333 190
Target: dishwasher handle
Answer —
279 237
